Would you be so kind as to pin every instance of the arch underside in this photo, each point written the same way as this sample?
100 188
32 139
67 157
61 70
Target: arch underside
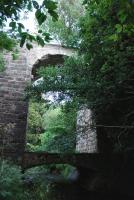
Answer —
47 60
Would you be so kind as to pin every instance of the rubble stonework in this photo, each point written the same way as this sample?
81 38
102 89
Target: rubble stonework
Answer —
86 135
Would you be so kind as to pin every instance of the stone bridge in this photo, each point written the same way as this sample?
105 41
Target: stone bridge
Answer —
13 123
13 105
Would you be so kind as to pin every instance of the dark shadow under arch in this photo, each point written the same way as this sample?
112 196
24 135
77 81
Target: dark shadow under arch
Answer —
46 60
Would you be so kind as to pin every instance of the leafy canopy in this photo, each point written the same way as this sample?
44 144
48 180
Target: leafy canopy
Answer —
102 75
66 29
10 12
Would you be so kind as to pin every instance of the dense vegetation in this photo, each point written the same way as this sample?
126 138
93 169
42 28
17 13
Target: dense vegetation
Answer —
101 76
66 29
34 184
51 129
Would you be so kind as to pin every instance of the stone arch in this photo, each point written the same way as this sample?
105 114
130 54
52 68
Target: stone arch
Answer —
13 104
46 60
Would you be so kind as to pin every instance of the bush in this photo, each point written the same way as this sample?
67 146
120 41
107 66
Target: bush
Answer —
10 182
16 186
59 125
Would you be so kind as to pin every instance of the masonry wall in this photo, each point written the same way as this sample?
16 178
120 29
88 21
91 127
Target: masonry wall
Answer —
86 135
13 106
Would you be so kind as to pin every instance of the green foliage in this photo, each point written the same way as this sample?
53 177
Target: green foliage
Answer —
52 119
65 169
64 80
51 129
66 29
35 183
35 124
10 12
107 32
2 63
102 75
6 42
57 142
60 131
35 118
10 182
48 181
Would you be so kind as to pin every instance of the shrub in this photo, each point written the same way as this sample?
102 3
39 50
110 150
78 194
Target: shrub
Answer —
10 182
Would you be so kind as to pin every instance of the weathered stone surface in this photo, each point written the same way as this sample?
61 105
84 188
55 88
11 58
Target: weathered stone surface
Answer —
86 135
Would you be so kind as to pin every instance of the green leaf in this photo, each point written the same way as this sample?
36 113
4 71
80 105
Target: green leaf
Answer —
29 6
31 38
8 10
39 31
41 17
114 37
15 56
37 13
118 28
13 25
22 42
29 46
53 14
84 2
47 36
20 27
36 5
1 22
50 5
14 11
40 40
23 39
